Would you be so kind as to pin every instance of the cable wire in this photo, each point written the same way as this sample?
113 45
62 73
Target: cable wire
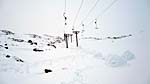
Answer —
114 1
65 6
89 12
78 12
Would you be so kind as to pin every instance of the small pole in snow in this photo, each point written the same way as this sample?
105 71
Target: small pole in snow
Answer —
71 37
66 39
76 32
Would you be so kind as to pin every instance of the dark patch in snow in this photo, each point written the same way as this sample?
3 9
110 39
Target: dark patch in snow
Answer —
95 38
5 44
35 43
48 35
37 50
51 45
6 32
47 70
48 44
1 46
17 40
32 43
6 47
59 39
29 41
119 37
18 59
34 36
7 56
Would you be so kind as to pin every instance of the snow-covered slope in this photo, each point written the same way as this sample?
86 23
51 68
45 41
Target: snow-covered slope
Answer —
43 59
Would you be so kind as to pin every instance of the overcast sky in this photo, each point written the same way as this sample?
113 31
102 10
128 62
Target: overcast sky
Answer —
46 16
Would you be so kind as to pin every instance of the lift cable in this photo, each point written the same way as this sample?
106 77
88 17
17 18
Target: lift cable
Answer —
114 1
65 6
89 12
78 13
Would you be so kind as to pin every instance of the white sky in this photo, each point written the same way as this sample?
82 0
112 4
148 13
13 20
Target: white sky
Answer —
46 16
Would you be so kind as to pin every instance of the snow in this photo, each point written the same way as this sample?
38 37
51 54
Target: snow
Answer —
128 55
105 63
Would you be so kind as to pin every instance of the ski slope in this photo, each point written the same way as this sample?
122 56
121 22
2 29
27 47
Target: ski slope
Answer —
105 61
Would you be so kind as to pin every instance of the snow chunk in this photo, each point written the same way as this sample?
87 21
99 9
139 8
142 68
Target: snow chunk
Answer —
118 61
128 55
115 61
